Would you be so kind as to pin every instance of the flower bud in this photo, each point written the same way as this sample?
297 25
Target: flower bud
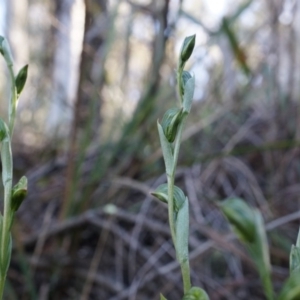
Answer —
170 123
21 79
187 48
19 193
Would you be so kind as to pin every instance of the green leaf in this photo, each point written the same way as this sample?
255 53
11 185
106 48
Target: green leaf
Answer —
166 150
259 251
188 94
241 217
291 288
196 293
170 123
19 193
5 51
182 232
161 193
187 48
21 79
162 297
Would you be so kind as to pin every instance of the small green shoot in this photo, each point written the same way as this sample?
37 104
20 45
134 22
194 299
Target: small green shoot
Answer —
248 225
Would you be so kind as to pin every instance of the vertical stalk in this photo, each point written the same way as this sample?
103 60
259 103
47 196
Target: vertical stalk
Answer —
170 178
171 182
5 237
13 101
6 158
185 266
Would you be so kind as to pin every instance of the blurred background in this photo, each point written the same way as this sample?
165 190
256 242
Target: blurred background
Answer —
100 74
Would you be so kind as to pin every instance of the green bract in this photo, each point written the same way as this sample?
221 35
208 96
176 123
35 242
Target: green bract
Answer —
161 193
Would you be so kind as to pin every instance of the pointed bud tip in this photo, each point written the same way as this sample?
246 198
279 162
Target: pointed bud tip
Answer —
21 79
187 48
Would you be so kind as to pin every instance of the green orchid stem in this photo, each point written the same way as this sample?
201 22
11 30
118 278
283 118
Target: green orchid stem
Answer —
185 266
13 101
5 234
171 207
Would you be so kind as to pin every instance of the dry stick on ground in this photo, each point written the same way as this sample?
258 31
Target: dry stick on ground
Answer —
121 233
153 259
43 234
192 196
138 226
96 261
140 217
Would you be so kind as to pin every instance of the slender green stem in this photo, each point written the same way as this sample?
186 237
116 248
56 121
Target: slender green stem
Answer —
186 276
6 158
177 145
185 266
171 207
13 101
5 236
